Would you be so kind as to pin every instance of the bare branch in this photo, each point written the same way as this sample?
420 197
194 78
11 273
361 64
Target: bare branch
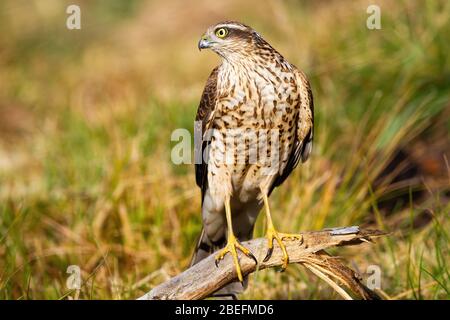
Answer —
204 278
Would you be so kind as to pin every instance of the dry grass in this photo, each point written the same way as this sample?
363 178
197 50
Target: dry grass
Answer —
86 117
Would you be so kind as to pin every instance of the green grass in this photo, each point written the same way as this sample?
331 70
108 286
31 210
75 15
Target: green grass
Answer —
85 171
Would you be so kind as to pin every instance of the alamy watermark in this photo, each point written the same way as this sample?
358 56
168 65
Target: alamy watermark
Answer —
73 21
373 281
373 22
73 281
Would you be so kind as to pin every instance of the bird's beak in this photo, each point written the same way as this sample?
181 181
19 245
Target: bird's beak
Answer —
204 43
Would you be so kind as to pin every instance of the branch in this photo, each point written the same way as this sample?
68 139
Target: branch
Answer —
204 278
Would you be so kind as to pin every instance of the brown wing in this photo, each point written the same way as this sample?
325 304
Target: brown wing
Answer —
305 129
204 113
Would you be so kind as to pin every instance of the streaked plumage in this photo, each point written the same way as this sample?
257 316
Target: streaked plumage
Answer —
254 92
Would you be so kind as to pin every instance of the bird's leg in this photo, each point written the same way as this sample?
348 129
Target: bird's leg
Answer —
272 234
233 244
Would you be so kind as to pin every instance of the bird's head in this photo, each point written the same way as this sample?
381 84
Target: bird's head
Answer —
230 39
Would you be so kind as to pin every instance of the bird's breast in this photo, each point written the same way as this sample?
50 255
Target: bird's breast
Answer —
260 98
254 128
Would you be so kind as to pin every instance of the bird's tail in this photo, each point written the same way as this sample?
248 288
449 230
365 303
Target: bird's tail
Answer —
204 248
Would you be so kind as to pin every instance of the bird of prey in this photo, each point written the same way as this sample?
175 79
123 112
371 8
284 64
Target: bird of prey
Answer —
255 105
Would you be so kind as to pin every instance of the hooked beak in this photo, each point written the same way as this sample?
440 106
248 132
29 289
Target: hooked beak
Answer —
204 43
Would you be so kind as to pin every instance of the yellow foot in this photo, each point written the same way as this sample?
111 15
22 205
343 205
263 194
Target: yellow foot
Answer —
273 234
231 247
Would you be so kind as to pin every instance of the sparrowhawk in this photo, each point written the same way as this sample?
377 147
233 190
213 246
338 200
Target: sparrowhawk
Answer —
256 119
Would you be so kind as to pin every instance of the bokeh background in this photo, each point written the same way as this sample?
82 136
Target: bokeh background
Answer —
86 116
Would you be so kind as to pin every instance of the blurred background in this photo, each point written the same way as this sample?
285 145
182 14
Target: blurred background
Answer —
86 116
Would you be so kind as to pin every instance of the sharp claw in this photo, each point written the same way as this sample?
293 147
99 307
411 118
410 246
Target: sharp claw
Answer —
251 256
216 262
268 255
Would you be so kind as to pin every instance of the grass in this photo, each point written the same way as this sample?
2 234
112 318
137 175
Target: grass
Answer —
85 171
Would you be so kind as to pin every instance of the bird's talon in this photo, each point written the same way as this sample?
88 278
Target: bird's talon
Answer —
269 254
231 247
271 235
251 256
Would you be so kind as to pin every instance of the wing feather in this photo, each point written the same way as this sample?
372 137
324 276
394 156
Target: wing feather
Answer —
204 115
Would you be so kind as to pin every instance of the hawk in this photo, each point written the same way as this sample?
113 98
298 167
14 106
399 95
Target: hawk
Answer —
255 107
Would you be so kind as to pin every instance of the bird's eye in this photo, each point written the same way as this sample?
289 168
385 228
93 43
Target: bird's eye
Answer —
221 32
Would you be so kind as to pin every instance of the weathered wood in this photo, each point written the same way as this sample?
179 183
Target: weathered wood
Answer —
204 278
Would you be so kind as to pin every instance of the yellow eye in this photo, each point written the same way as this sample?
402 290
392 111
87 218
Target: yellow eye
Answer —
221 32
